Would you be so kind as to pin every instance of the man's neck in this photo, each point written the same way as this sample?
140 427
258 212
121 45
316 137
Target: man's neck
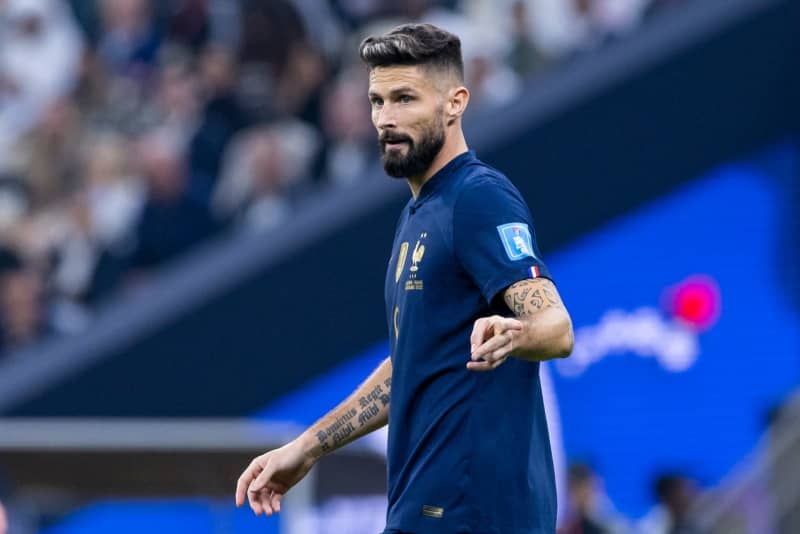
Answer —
453 147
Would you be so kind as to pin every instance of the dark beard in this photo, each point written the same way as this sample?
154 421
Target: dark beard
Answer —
420 155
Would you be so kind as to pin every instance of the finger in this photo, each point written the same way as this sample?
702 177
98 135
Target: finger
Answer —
276 501
258 486
512 324
506 324
490 346
476 338
498 325
481 366
264 499
503 351
485 331
244 481
255 503
500 354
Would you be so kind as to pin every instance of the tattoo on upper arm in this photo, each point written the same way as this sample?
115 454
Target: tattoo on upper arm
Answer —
528 297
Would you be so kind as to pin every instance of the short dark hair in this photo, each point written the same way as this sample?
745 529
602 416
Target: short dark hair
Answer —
415 44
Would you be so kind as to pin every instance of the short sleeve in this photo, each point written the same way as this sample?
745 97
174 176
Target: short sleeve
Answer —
493 236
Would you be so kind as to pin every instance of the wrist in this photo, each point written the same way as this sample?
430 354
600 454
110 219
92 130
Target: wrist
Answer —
309 446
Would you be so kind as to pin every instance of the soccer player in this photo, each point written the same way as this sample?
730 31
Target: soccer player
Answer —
471 311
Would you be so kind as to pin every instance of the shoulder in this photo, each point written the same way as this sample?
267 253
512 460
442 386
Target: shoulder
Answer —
483 187
478 173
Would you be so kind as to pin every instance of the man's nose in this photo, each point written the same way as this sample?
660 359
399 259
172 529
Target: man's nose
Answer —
386 119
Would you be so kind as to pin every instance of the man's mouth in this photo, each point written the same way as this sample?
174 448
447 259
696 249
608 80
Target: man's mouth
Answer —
389 145
394 142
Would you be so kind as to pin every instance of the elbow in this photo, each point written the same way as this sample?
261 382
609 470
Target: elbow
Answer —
566 339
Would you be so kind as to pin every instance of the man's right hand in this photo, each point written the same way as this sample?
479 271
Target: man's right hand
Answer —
269 476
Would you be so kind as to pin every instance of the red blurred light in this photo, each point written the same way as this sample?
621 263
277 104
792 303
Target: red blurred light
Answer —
695 301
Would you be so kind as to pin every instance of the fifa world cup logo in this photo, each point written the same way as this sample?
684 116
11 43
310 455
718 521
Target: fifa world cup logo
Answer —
522 247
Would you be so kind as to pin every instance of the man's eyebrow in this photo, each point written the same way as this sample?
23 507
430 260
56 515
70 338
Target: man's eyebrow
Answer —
396 91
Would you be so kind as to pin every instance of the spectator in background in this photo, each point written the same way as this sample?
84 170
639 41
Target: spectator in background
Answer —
172 221
23 317
524 56
47 158
675 495
98 230
349 141
282 69
222 117
40 50
261 169
597 21
15 203
129 40
190 24
588 30
176 97
589 510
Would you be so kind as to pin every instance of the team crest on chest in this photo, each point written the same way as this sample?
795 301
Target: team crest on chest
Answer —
401 261
413 283
419 252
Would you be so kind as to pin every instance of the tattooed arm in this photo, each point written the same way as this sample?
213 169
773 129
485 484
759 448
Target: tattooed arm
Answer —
271 475
542 329
367 409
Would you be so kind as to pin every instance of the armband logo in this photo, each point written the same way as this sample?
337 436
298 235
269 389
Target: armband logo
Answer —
516 238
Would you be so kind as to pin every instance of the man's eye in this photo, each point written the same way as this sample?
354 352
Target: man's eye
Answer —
376 102
405 99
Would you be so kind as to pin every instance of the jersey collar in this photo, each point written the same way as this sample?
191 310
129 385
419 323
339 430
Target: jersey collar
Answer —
441 176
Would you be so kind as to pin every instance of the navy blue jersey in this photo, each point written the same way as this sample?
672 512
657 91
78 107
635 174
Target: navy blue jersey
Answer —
468 451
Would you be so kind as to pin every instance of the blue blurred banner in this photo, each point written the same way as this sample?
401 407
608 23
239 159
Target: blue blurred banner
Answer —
686 333
198 516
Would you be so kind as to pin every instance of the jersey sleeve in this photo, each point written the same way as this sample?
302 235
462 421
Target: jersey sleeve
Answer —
493 237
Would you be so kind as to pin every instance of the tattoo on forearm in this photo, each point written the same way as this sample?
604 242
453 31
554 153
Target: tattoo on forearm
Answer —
527 297
369 406
338 431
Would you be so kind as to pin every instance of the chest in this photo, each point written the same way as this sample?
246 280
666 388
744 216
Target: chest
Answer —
423 267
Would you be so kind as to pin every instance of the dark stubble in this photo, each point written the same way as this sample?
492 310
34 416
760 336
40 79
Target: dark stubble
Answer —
420 154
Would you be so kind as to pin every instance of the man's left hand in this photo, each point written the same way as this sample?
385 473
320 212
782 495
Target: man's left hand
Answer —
492 342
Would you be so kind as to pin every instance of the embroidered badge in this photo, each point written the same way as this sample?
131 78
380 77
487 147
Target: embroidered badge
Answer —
432 511
516 240
401 260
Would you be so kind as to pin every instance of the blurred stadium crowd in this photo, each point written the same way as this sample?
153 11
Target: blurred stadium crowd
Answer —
132 130
589 510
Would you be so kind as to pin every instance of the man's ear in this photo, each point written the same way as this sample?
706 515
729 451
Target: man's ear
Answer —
457 101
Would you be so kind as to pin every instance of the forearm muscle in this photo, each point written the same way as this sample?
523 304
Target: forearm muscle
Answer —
366 410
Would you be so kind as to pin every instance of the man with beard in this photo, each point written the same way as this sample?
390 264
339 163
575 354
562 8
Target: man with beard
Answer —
466 293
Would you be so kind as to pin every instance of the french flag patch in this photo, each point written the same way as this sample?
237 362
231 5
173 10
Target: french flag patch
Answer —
534 271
